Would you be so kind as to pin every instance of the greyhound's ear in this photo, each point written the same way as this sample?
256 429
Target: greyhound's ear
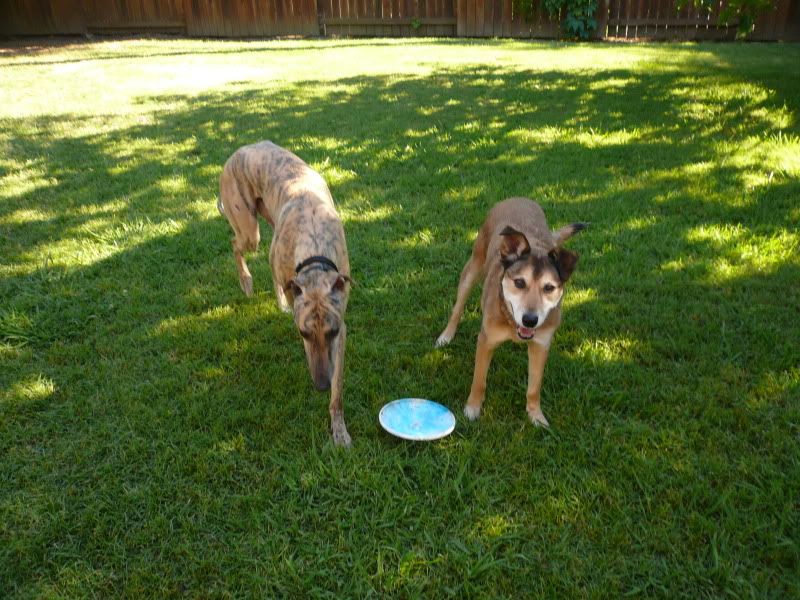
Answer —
338 285
513 246
564 261
292 287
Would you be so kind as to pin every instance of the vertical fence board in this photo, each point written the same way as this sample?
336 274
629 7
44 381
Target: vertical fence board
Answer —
461 18
792 28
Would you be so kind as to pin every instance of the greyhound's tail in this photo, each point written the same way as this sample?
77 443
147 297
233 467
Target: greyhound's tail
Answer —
562 235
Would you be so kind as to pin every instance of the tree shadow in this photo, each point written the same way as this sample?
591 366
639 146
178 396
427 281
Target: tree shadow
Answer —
535 132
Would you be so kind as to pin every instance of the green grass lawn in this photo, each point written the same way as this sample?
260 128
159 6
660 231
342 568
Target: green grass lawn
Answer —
159 432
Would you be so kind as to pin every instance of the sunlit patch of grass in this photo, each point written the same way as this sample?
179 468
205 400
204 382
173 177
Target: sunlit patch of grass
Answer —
421 238
610 350
740 252
24 179
29 390
494 526
364 212
174 184
580 296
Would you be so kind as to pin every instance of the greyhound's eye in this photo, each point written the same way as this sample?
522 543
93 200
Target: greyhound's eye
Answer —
332 334
306 335
549 287
519 283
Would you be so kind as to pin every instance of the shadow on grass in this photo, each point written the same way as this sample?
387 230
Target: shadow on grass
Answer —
156 359
414 165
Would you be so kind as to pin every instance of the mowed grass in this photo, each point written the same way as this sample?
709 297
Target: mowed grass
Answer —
159 432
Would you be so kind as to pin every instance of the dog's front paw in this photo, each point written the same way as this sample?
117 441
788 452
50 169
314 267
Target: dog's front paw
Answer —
283 303
246 283
443 339
537 418
340 436
472 412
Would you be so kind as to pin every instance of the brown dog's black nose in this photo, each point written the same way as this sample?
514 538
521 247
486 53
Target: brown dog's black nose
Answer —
529 320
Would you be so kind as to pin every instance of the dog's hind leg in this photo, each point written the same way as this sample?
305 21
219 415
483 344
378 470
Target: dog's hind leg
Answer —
242 244
472 271
242 217
276 247
262 210
338 428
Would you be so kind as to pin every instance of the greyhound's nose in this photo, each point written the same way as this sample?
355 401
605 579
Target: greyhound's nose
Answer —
530 320
323 384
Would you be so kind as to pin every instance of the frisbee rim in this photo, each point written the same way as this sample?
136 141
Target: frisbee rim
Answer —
416 438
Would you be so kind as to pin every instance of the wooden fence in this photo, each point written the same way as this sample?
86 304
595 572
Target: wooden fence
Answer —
500 18
639 19
395 18
251 18
660 20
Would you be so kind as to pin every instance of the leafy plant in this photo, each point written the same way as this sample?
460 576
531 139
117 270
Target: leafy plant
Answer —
746 11
579 15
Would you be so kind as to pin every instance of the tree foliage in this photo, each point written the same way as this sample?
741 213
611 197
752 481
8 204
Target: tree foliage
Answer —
744 12
578 15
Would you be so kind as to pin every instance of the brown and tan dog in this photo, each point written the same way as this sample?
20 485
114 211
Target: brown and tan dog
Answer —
308 254
525 269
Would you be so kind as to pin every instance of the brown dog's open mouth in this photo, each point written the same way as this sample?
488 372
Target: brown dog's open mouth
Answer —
525 333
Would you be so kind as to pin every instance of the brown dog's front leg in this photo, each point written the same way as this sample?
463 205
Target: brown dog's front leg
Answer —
483 358
338 428
537 357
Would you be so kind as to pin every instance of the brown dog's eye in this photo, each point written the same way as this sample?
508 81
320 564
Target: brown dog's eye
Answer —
519 283
305 334
332 334
549 287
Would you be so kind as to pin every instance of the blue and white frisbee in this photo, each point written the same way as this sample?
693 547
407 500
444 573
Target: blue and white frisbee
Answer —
417 419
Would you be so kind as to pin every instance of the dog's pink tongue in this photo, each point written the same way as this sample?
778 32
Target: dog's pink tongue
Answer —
525 332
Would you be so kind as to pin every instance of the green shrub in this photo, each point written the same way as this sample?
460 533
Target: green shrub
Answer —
746 11
578 21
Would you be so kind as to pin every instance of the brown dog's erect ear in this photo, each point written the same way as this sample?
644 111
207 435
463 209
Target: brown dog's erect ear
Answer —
513 246
292 287
338 285
564 261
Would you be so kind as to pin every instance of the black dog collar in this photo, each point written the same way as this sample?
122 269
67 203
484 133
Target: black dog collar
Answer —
316 259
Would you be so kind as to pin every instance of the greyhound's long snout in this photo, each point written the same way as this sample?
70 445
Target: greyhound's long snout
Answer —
320 368
322 383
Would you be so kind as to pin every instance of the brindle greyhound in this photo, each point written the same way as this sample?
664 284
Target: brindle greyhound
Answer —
308 254
525 269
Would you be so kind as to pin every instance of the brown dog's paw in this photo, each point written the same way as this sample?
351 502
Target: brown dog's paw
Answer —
443 339
537 418
472 412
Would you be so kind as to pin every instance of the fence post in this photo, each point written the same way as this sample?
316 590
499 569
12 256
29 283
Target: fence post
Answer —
602 19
